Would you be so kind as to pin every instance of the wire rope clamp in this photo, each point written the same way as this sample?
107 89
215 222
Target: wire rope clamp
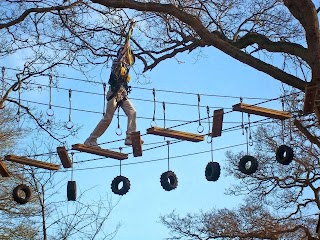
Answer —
136 144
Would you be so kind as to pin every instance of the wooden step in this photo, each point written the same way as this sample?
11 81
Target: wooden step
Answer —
261 111
3 170
305 131
217 123
99 151
136 144
175 134
32 162
64 157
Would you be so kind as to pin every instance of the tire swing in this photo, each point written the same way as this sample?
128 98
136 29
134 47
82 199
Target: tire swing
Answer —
243 164
72 185
120 180
168 179
284 154
213 169
248 164
18 197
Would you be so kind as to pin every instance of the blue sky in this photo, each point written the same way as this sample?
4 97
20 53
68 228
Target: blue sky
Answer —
138 211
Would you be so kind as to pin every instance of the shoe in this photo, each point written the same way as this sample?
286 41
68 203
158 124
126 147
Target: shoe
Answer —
91 143
128 142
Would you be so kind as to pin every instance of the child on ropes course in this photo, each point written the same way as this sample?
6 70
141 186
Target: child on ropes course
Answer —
117 95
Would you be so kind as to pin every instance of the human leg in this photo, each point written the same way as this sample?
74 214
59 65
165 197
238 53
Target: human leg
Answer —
103 124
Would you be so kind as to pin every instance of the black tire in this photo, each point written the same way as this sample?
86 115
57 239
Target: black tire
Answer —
253 164
27 191
284 155
72 191
168 180
212 172
125 185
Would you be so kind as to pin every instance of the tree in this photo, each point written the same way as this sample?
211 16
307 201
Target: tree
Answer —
249 31
279 38
281 201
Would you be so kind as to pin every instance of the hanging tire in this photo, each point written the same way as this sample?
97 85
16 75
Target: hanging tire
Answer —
125 185
212 172
284 155
72 190
253 164
27 194
168 180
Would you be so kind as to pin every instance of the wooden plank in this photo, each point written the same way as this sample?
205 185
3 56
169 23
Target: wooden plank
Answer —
309 98
100 151
64 157
136 144
217 123
305 131
261 111
3 170
175 134
32 162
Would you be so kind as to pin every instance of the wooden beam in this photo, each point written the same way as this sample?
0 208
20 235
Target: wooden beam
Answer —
32 162
217 123
136 144
100 151
305 131
64 157
3 170
309 98
261 111
175 134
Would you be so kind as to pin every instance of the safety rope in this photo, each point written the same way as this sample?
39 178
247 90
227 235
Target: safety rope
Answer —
209 129
154 109
50 112
104 98
200 127
69 124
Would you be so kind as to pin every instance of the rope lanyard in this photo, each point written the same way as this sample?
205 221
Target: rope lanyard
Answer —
168 143
242 120
153 121
200 127
104 99
164 116
50 112
209 129
118 130
69 124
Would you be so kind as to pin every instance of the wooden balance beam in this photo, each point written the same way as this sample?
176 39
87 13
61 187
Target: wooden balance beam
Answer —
64 157
217 123
99 151
175 134
3 170
32 162
136 144
266 112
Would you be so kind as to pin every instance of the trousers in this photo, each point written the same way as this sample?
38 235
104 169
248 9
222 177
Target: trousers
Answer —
112 104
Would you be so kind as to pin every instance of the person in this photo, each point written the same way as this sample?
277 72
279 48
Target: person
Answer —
117 95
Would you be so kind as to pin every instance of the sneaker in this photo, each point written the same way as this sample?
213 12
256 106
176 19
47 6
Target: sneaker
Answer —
91 143
128 142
